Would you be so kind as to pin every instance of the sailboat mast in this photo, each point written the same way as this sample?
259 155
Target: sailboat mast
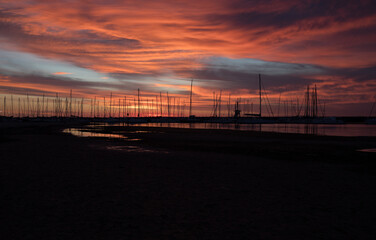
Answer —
219 103
160 97
5 106
138 101
11 103
168 105
125 107
260 92
104 107
190 100
82 107
110 105
316 108
28 105
19 107
70 103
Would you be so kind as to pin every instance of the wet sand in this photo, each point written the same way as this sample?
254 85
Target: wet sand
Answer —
185 184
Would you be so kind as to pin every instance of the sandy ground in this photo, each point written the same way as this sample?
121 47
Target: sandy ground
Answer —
185 184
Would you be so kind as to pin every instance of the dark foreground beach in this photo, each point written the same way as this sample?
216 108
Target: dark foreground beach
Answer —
184 184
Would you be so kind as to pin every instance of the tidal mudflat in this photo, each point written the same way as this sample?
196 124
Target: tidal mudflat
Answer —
184 184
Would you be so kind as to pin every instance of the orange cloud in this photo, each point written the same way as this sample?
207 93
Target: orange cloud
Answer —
61 73
169 38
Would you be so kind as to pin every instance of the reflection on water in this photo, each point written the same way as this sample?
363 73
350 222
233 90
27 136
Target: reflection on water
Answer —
137 149
86 132
371 150
90 133
316 129
140 132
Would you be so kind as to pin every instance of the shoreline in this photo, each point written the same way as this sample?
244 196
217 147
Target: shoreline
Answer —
319 129
192 183
195 119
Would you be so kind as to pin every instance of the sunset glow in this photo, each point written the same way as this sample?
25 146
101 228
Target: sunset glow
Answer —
98 48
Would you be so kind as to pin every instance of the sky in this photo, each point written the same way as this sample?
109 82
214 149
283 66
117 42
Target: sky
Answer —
101 47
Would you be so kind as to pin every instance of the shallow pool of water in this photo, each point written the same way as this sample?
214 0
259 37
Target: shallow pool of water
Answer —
90 133
137 149
370 150
349 130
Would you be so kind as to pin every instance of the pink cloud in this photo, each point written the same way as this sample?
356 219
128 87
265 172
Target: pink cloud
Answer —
61 73
170 38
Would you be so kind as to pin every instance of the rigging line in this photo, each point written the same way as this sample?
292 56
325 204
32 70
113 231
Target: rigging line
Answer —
271 110
279 102
267 107
373 105
321 108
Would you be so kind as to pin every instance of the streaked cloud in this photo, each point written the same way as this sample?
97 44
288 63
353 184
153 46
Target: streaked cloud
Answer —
61 73
124 45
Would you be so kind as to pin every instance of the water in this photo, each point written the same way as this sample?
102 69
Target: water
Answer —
349 130
87 133
368 150
316 129
137 149
92 133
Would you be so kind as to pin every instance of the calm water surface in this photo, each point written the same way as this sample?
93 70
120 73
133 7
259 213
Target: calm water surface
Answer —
316 129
